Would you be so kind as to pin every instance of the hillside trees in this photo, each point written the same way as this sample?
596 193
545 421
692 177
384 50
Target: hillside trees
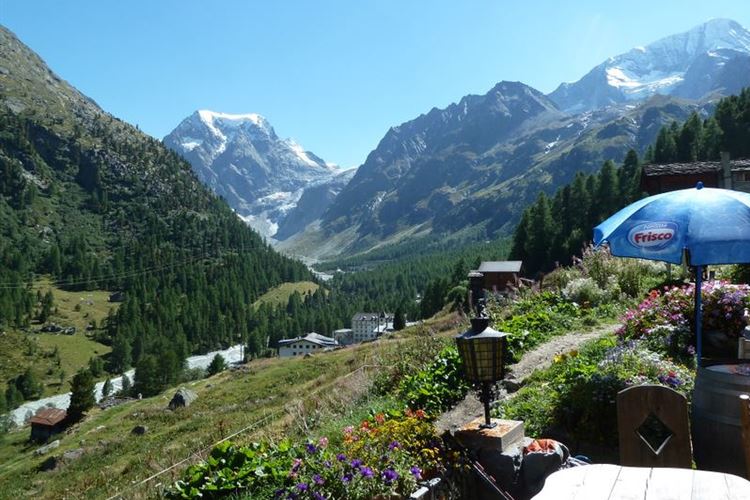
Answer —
578 207
549 234
120 212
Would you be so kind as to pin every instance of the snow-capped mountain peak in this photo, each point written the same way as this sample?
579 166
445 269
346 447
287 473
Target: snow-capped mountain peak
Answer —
661 67
217 122
241 158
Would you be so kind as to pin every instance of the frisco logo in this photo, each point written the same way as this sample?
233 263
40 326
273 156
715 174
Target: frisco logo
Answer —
652 235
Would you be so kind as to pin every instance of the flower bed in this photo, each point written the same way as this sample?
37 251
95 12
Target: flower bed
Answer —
576 395
665 318
385 456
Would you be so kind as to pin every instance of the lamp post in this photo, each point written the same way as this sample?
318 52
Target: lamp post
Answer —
481 349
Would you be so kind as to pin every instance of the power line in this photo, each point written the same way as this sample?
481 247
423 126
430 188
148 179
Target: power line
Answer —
115 276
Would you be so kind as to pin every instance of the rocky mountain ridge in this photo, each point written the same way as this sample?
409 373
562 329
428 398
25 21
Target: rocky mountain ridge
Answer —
474 165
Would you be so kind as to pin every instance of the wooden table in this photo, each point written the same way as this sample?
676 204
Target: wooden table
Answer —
612 482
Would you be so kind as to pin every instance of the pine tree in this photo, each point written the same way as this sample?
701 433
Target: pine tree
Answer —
541 230
96 366
127 386
28 385
82 395
120 359
48 302
607 194
520 238
665 149
629 179
13 396
710 146
106 388
689 139
149 378
399 320
218 364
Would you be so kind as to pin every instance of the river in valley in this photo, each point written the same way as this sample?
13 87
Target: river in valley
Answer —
28 409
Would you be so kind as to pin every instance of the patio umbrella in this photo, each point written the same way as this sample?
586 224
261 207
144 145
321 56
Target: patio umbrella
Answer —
703 225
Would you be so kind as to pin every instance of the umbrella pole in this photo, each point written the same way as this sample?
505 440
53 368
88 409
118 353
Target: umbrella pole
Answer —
698 314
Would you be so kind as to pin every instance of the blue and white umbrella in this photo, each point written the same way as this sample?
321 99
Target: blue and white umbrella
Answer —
703 225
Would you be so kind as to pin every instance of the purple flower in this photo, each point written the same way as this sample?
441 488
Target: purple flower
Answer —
327 464
394 445
295 467
366 472
389 475
340 457
416 472
302 486
356 463
346 478
311 448
318 496
318 480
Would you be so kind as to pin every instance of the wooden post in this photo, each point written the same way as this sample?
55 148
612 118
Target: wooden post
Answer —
745 415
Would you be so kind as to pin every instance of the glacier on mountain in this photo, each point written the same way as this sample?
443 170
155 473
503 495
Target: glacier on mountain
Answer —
662 67
241 158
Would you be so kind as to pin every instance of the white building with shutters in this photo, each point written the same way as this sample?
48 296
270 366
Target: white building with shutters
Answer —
309 344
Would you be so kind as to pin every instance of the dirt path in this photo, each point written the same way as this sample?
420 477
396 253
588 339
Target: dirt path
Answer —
539 358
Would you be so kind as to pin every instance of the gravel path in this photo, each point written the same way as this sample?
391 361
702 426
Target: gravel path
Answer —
539 358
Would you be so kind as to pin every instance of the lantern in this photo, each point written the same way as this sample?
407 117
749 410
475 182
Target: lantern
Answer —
481 349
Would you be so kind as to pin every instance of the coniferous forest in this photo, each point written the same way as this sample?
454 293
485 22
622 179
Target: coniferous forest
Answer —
127 215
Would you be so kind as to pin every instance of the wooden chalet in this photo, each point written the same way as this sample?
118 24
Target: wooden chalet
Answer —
497 275
727 174
46 423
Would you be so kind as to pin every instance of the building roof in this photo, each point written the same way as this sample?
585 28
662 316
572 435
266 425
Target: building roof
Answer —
48 416
313 337
385 327
501 266
695 167
372 316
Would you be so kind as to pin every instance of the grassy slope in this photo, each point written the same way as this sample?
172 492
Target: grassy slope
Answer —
285 397
19 350
279 295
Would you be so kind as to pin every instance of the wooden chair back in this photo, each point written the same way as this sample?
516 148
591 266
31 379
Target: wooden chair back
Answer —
743 348
653 404
745 420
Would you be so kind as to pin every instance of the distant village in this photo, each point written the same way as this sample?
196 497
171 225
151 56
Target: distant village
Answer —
492 276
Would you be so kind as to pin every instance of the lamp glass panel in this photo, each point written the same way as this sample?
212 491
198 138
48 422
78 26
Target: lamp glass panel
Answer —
481 366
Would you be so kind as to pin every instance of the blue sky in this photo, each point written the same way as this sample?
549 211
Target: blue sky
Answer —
332 74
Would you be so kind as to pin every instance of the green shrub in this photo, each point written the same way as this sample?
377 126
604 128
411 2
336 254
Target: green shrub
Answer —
585 291
533 320
577 394
217 365
439 386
